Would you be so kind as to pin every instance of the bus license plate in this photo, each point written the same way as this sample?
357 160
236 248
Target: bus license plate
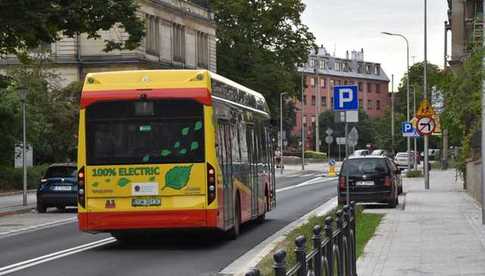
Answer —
146 201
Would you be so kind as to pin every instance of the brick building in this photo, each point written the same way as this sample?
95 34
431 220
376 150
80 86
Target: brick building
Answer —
374 97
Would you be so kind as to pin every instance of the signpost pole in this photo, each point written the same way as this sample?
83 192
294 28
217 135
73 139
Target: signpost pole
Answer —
483 141
425 82
347 155
302 104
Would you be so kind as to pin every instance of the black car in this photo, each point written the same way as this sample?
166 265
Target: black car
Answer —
371 179
58 187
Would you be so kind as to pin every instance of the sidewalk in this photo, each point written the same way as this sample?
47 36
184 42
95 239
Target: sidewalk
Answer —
439 232
12 203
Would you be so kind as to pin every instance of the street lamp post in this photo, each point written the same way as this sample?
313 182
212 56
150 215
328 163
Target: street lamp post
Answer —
317 105
392 113
407 93
415 138
281 130
302 120
23 95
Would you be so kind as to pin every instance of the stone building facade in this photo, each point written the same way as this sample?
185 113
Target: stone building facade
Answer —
179 34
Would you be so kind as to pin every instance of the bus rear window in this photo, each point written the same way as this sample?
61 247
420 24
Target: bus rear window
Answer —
136 132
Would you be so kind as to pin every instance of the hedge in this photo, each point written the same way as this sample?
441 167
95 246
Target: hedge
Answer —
11 179
315 155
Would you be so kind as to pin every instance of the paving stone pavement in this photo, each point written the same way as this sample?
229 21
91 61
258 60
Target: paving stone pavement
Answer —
439 232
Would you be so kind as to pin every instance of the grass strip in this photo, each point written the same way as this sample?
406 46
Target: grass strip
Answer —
365 228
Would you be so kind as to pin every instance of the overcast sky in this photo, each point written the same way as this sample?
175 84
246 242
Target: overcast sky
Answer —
354 24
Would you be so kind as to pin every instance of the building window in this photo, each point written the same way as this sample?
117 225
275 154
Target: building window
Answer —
312 63
360 86
313 119
368 69
313 100
153 35
312 82
323 83
178 40
202 50
346 82
378 105
369 87
331 101
378 88
323 64
304 121
377 69
360 68
360 103
324 101
369 105
304 99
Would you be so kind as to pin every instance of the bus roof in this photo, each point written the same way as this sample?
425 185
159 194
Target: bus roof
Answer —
145 80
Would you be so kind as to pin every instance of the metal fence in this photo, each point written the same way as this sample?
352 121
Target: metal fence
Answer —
332 254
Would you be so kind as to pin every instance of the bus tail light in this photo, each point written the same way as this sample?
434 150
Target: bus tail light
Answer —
81 193
211 183
387 181
341 182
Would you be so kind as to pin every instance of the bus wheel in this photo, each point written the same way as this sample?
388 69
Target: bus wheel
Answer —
234 232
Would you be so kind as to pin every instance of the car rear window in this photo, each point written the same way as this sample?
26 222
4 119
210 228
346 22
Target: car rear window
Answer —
368 166
60 171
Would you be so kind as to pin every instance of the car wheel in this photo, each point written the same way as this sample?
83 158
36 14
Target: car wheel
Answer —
41 208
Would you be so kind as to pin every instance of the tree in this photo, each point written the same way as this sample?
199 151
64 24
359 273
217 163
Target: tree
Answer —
260 44
26 24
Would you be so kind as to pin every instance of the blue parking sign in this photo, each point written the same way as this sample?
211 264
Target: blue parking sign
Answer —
408 130
345 97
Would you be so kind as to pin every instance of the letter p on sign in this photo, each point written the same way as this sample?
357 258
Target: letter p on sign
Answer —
345 97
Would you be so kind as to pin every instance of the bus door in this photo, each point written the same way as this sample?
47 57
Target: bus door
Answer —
224 151
253 173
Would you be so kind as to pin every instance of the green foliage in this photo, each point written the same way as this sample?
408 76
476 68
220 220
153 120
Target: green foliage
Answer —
26 24
414 173
259 44
11 179
51 115
315 155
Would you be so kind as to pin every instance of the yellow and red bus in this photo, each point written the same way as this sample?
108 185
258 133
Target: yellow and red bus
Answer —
172 149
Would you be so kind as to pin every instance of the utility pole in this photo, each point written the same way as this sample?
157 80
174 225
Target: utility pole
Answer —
392 113
444 160
23 97
425 92
483 135
302 119
415 138
281 131
317 103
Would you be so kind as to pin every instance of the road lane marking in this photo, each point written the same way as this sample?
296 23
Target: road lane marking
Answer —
312 181
52 256
39 226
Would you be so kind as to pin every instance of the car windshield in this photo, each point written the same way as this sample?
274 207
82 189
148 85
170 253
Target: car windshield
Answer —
368 166
60 171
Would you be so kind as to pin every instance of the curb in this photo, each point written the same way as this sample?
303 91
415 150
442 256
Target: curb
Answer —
252 257
16 192
16 210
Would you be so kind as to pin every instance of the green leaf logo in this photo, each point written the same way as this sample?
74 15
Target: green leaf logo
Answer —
185 131
198 125
194 146
178 177
166 153
177 145
123 182
146 158
152 179
95 184
183 151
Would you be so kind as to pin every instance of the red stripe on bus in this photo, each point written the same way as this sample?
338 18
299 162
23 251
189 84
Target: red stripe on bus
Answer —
201 95
104 221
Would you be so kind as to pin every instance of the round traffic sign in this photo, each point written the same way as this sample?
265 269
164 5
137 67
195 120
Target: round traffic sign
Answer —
426 126
329 131
329 139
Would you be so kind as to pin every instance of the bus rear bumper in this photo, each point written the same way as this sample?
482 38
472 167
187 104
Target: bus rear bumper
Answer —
109 221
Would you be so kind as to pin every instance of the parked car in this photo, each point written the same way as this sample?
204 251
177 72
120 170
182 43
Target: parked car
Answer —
381 152
371 179
58 187
401 160
361 152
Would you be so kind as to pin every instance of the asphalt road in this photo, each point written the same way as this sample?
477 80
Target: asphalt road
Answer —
181 254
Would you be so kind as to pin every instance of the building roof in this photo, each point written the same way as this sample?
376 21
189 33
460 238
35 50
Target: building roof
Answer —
351 62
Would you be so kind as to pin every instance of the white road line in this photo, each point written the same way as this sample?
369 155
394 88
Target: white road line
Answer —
312 181
52 256
309 174
40 226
